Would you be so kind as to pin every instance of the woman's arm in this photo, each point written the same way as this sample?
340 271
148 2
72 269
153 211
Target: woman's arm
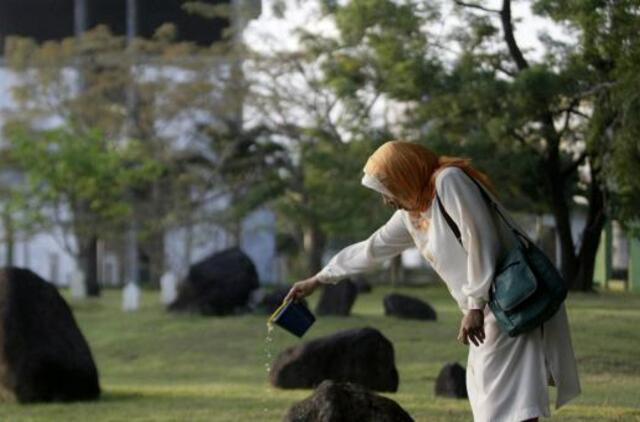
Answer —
386 242
470 211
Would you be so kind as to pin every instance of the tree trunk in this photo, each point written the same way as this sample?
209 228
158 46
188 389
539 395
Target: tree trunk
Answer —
89 264
596 219
155 249
314 244
396 270
234 229
155 245
9 238
577 269
188 249
556 184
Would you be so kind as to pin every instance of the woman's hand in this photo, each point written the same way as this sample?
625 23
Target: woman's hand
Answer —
472 327
302 289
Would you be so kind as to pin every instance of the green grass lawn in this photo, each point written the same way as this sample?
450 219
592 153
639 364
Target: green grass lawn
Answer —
156 366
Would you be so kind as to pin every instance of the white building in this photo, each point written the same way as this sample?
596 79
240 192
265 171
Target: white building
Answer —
47 253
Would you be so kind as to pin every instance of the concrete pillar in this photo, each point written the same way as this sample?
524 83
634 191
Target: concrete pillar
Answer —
132 19
602 272
80 13
132 257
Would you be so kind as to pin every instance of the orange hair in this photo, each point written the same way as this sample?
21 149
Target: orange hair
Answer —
408 171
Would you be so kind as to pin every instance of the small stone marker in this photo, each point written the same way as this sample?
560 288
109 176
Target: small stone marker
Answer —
337 299
408 307
168 288
451 381
130 297
77 285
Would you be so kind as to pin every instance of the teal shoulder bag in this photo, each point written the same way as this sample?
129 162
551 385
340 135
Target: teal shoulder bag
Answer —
527 289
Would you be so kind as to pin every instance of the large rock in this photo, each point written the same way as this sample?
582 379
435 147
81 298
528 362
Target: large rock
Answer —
43 355
218 285
346 402
337 299
451 382
360 355
267 301
407 307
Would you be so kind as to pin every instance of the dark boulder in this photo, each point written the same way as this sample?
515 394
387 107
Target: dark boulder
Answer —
407 307
346 402
451 381
337 299
218 285
360 355
268 301
44 356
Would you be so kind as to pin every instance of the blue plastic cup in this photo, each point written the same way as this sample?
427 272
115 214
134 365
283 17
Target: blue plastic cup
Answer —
293 317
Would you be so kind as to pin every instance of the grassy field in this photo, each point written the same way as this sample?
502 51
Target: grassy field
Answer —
156 366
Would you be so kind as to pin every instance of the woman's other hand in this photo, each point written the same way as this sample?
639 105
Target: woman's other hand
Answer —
302 289
472 327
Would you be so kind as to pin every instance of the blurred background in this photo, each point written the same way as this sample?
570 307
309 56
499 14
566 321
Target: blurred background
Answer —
139 138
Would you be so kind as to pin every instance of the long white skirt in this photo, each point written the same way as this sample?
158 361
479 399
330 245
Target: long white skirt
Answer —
507 377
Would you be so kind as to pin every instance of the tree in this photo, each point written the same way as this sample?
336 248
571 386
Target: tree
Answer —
316 185
610 54
81 182
141 89
536 122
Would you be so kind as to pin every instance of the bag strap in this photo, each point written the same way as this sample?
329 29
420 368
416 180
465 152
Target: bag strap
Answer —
452 224
454 227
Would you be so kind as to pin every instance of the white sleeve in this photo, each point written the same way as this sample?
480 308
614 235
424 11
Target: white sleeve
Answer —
467 207
386 242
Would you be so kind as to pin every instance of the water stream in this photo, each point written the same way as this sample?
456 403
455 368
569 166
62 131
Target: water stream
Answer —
268 344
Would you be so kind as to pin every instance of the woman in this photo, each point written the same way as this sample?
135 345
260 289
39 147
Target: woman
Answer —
507 377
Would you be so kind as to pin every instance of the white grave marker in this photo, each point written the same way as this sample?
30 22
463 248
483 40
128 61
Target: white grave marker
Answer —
130 297
77 285
168 288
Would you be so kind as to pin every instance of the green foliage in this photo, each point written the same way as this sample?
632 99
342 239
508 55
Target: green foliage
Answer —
608 62
109 91
377 19
207 10
382 42
623 164
538 86
477 104
64 168
332 174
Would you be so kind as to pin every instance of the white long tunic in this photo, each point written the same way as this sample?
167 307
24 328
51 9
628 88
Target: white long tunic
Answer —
507 377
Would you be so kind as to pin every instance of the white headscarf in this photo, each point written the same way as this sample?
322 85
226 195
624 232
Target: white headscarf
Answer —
374 183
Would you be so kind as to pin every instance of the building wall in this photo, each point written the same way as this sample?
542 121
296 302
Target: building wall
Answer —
54 19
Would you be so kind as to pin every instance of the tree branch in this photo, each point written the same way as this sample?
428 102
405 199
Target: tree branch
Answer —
567 117
507 27
475 6
523 141
573 166
596 89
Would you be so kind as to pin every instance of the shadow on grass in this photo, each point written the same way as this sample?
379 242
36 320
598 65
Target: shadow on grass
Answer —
120 396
